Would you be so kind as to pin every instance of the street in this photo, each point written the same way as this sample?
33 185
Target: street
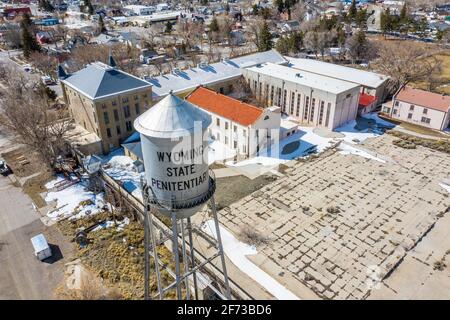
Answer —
22 276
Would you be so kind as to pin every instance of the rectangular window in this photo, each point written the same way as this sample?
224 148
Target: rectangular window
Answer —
118 130
124 100
291 111
244 148
226 125
235 144
218 122
297 113
313 104
322 107
234 128
136 97
138 110
116 115
106 117
279 96
255 85
305 112
425 120
394 111
396 103
284 100
108 132
271 94
103 105
126 111
226 140
221 90
409 115
218 136
129 126
327 117
411 107
425 111
244 133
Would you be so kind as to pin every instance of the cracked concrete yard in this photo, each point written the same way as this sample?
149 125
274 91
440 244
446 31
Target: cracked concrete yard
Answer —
340 224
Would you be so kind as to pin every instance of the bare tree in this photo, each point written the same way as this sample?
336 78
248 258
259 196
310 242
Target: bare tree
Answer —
44 62
299 11
27 113
405 63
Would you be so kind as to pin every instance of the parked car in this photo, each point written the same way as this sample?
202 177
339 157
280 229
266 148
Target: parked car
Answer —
4 169
27 68
42 250
47 80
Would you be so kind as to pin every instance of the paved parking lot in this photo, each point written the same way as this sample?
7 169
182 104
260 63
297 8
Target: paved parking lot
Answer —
340 224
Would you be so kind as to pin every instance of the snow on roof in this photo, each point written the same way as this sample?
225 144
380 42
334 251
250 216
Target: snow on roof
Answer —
362 77
308 79
185 80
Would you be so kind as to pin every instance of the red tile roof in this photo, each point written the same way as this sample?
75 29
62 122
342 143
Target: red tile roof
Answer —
366 100
227 107
424 99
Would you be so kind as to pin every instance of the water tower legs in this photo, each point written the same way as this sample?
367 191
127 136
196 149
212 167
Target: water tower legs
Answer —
196 263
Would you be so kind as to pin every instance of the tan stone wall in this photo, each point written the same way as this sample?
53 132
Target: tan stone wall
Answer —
91 115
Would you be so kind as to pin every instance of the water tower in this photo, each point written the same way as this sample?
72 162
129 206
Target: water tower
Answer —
178 183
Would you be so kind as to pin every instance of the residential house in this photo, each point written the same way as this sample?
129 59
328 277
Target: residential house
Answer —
420 107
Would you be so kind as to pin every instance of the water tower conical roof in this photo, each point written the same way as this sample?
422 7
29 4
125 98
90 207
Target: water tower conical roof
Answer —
171 117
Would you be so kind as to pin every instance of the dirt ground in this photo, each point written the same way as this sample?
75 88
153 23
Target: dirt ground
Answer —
31 162
232 189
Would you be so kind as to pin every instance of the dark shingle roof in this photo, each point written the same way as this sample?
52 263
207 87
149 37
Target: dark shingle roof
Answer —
97 80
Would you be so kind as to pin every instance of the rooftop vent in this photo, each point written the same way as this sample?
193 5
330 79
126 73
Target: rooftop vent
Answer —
298 75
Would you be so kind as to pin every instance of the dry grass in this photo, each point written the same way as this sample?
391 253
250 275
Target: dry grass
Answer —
17 159
36 185
117 257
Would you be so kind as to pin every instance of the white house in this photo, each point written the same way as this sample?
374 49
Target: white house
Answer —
240 126
420 107
311 98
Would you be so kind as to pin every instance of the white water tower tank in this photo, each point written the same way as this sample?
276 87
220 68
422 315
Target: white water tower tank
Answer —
174 148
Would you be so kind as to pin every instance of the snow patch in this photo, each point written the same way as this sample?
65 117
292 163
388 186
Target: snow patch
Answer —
67 200
237 251
445 186
347 149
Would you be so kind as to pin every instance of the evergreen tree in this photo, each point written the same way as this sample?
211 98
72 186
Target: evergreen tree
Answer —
169 27
403 13
352 10
265 41
214 25
358 46
87 7
386 21
280 5
255 10
29 41
227 8
101 24
46 6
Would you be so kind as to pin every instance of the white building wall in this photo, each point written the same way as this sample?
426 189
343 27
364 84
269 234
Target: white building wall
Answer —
402 110
341 108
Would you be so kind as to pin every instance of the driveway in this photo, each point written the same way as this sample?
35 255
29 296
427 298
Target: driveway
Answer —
22 276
